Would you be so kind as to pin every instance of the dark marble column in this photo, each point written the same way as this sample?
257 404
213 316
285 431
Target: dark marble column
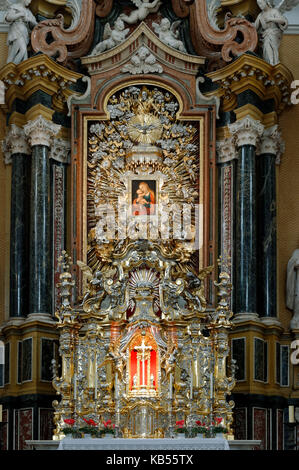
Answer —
266 230
17 147
246 131
40 132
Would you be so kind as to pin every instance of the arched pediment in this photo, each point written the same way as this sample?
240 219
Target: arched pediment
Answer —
167 57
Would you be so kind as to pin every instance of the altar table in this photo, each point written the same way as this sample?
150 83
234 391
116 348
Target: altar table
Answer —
144 444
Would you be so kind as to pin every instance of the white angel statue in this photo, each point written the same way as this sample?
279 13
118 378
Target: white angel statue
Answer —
112 37
144 8
271 23
21 20
168 33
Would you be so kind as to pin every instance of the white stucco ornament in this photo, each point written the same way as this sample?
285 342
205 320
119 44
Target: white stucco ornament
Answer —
142 62
270 25
112 37
292 288
21 20
169 34
144 8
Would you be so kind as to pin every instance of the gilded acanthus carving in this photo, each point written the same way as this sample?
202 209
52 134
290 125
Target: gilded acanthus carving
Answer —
204 36
69 43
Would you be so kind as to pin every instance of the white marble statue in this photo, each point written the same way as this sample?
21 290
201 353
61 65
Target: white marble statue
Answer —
292 288
270 25
21 21
169 34
144 8
112 37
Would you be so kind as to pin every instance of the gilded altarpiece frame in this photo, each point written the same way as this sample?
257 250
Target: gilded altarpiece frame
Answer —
202 117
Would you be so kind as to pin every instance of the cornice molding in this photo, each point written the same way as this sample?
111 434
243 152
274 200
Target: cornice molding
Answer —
249 72
39 73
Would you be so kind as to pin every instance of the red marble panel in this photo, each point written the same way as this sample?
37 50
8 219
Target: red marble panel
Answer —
260 426
46 425
240 423
25 428
4 431
279 429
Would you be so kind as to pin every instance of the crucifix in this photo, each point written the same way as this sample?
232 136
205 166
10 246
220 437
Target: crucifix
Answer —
144 349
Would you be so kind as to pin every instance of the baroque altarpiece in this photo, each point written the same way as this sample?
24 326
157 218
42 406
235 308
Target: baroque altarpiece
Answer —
148 129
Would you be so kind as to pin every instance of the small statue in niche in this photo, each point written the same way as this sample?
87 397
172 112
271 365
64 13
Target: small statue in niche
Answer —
144 8
271 24
112 37
292 288
169 34
21 21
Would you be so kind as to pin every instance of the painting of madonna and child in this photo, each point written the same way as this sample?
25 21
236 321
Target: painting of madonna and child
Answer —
144 197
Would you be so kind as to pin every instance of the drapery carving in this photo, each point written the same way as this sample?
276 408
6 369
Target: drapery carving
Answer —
103 7
50 37
207 40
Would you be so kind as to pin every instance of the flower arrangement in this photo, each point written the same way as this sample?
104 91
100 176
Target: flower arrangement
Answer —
70 428
180 426
108 428
201 427
91 428
211 430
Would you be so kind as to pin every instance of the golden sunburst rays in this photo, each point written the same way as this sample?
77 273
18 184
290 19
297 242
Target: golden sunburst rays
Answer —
140 115
145 128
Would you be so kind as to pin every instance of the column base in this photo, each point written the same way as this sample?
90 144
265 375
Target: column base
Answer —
42 317
271 321
294 323
13 321
246 316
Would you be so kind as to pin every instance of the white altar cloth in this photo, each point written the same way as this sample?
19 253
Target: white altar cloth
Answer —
215 443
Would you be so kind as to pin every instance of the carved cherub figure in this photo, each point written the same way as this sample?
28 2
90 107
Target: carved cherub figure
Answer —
169 34
112 37
21 21
144 8
271 23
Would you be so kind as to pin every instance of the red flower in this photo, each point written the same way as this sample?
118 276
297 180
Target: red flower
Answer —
180 423
69 421
108 422
198 423
90 422
218 420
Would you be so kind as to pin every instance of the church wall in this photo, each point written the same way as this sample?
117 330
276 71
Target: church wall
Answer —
287 181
